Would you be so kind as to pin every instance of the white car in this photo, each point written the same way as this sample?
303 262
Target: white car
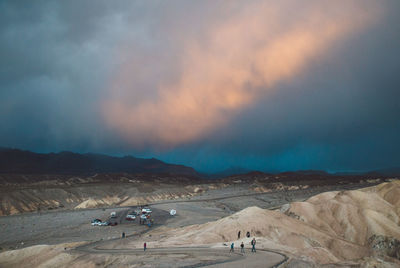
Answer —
96 222
147 210
130 217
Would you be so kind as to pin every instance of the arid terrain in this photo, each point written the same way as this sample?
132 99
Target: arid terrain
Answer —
302 219
224 134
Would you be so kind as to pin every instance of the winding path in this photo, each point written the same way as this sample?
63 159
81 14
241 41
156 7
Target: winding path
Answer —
263 257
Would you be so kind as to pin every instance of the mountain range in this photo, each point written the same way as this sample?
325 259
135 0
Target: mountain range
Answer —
14 161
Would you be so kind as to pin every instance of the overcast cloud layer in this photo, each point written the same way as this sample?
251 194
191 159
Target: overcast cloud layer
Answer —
269 85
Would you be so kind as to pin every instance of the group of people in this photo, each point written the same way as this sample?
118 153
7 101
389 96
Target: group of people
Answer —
247 234
252 242
253 246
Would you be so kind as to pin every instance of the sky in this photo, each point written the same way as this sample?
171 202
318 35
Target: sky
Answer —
263 85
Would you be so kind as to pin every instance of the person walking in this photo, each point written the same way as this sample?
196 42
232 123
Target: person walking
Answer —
242 248
123 234
144 246
232 247
253 245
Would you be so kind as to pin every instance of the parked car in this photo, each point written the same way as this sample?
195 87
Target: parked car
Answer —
146 210
130 217
96 222
104 223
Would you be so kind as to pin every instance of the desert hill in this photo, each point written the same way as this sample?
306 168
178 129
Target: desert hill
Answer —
354 215
330 227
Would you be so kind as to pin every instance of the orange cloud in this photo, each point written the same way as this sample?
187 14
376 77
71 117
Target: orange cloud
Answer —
241 58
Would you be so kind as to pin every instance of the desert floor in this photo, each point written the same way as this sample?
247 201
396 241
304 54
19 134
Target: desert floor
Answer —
69 232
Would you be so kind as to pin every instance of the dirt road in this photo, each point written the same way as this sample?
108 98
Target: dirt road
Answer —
215 257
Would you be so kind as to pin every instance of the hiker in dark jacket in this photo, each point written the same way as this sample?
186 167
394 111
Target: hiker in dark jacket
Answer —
232 247
253 245
242 248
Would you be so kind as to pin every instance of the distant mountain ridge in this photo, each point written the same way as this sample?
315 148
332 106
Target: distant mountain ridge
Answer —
229 172
14 161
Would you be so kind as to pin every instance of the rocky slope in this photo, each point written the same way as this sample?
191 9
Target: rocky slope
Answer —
332 227
63 192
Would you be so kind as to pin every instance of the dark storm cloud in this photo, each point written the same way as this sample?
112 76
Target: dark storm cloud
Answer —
342 114
53 68
60 61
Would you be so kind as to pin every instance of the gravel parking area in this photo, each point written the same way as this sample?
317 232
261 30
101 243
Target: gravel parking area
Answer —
68 226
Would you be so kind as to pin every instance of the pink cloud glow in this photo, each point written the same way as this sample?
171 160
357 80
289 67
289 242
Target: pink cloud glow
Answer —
242 57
